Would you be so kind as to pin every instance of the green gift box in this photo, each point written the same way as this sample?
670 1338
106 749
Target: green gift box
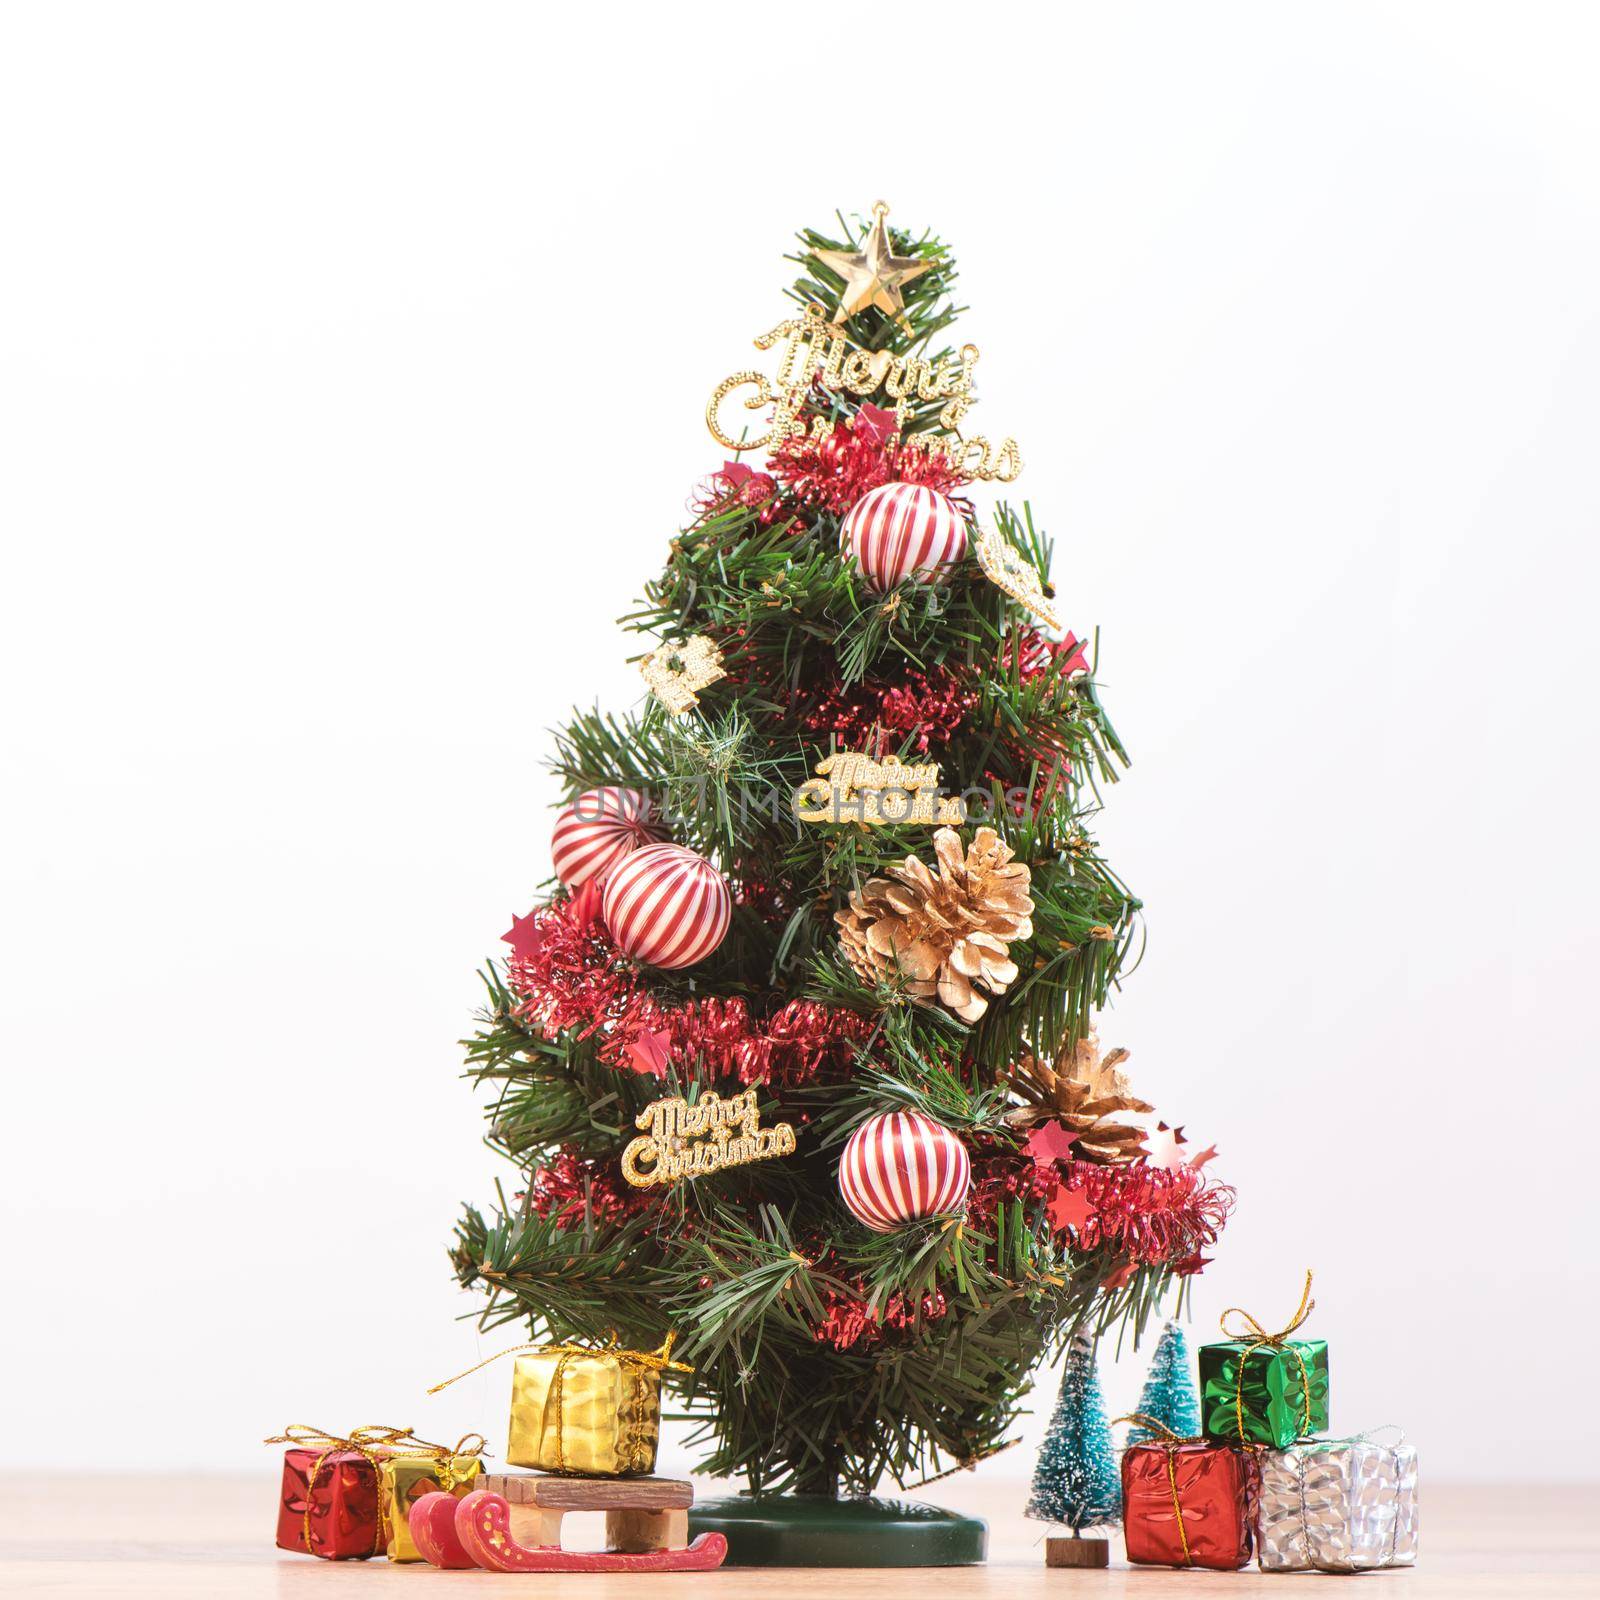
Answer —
1278 1391
1264 1388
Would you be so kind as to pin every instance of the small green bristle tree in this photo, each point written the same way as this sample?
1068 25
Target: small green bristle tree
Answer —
1076 1482
1169 1395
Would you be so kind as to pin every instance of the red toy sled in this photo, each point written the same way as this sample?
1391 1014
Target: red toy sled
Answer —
513 1524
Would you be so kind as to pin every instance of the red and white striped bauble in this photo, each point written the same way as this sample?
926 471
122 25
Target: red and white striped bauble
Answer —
666 906
903 529
901 1165
597 830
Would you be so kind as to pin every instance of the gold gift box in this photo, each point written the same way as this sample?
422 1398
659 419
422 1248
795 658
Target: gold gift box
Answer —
596 1412
403 1480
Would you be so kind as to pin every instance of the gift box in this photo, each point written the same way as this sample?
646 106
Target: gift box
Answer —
1264 1388
591 1411
329 1505
1338 1505
587 1411
1188 1503
1252 1393
404 1478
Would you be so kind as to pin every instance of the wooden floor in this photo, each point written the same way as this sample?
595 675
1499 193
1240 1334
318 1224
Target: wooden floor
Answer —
69 1536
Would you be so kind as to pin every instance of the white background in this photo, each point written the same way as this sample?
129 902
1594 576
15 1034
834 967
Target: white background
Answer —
353 367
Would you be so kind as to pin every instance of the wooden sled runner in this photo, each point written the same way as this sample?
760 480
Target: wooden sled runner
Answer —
513 1524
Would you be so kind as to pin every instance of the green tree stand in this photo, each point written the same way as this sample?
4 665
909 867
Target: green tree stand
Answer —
801 1530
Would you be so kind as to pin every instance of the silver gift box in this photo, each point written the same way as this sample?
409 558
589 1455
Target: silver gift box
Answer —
1338 1505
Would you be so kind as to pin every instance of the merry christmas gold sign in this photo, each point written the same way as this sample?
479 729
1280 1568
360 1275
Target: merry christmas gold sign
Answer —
688 1141
851 787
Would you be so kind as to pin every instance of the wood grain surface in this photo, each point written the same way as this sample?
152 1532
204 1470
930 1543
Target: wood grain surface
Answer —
589 1494
212 1537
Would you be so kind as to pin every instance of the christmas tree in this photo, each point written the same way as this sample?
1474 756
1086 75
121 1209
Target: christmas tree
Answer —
795 1055
1169 1394
1076 1482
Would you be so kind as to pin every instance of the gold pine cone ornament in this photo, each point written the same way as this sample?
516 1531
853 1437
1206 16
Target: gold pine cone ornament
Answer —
1086 1093
945 935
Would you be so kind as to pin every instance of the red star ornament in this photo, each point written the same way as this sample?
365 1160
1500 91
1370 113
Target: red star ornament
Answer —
524 937
876 424
1050 1142
1164 1149
1069 1208
650 1051
1071 650
1115 1280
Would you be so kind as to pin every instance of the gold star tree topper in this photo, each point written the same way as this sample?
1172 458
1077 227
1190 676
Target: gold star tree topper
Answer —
874 275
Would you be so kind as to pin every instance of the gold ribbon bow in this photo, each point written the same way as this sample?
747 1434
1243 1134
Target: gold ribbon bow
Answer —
1171 1441
441 1455
658 1360
371 1442
1258 1338
655 1360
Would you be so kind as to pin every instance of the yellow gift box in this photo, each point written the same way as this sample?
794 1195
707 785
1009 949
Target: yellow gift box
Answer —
589 1410
405 1478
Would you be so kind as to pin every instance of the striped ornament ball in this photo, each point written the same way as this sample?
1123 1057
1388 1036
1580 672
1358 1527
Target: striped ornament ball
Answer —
597 830
666 906
901 530
901 1165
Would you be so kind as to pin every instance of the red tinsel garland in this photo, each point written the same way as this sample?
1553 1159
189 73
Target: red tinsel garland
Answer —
1001 1178
733 484
1055 774
573 977
802 1041
930 707
832 473
933 707
851 1321
568 1184
1036 654
1151 1215
799 1042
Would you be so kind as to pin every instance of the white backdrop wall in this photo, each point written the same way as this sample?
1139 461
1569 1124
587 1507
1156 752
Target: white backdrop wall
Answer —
353 364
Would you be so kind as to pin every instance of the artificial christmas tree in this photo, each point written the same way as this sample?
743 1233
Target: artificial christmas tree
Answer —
1169 1396
1075 1482
837 862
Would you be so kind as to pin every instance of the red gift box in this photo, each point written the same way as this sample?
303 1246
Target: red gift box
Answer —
1188 1503
329 1505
